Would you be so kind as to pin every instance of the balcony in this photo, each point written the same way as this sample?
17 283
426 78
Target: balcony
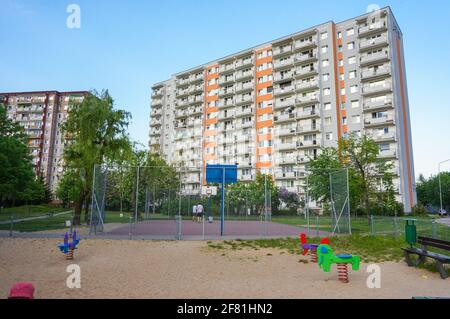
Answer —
386 87
155 132
373 73
246 111
157 93
226 91
305 71
388 154
285 103
196 77
388 119
369 44
182 92
226 67
308 144
377 105
287 131
226 115
285 146
286 160
226 80
154 122
157 102
367 59
196 99
246 177
284 118
309 128
182 82
244 125
244 99
306 43
307 85
303 58
244 63
240 75
196 89
225 103
288 175
282 50
285 76
308 114
309 98
378 26
155 141
384 137
282 63
244 86
284 90
156 112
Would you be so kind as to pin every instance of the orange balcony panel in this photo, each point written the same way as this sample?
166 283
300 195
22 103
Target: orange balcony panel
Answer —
212 98
212 76
210 133
342 84
211 109
343 98
345 128
339 42
341 70
264 72
209 144
266 110
263 164
209 156
267 123
344 113
264 137
264 150
211 121
212 87
340 56
266 97
266 59
260 86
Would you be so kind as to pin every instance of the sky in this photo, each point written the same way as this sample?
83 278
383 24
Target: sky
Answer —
126 46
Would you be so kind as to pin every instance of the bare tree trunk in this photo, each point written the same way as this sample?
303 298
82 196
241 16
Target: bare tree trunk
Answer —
86 209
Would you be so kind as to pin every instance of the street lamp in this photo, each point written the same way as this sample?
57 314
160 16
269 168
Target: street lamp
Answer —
440 186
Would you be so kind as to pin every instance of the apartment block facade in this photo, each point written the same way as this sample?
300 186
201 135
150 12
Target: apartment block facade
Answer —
41 115
272 107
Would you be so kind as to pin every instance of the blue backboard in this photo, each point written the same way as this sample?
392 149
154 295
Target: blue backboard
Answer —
214 173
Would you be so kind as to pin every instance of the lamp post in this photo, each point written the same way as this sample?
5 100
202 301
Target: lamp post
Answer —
440 186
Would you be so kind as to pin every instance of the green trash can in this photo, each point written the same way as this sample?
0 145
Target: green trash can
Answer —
410 232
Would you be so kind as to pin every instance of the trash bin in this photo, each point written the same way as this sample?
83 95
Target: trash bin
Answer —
410 232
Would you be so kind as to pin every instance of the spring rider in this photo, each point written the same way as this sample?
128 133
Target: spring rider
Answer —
327 257
312 248
67 247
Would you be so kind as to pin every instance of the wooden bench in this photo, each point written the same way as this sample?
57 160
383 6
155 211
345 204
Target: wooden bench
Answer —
423 252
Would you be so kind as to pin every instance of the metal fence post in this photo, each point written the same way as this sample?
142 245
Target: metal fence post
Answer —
317 225
395 227
11 226
130 231
372 227
433 228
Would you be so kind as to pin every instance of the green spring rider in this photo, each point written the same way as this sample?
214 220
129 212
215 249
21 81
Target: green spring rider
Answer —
326 258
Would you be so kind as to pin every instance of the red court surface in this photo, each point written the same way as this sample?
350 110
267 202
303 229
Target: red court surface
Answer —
166 229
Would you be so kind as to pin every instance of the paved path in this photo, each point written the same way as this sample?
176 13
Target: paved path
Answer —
444 221
35 217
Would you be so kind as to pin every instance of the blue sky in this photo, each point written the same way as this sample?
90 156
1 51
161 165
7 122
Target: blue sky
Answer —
125 46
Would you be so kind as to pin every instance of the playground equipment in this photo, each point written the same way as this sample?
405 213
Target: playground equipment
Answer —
312 248
327 257
67 247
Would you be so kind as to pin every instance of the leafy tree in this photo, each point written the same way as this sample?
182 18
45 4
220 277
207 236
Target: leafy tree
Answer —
291 199
16 172
371 174
428 190
97 133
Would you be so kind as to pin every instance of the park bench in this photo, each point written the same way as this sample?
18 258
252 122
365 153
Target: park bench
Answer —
423 252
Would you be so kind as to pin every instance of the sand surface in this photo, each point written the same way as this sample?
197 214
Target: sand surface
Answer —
190 269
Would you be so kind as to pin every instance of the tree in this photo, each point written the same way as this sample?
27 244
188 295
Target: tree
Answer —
16 173
428 190
371 174
290 199
97 133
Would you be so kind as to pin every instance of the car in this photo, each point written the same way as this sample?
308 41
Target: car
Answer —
443 212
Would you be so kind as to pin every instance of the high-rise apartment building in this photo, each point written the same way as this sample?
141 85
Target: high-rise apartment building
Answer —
41 114
272 107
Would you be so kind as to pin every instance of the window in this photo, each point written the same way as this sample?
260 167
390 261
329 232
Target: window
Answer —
326 76
354 89
339 35
325 63
356 119
325 49
355 103
351 46
341 63
328 120
343 91
324 35
352 60
350 32
329 136
384 147
326 91
327 106
352 74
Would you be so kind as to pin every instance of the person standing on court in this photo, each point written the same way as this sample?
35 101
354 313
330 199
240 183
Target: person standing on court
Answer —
194 213
199 212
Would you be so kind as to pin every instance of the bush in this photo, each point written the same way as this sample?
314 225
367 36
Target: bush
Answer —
419 210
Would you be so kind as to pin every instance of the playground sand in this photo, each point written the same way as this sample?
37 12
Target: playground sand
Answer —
190 269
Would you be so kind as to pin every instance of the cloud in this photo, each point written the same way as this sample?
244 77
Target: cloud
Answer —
15 7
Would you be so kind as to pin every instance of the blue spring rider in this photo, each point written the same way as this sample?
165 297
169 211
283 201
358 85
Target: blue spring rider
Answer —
67 247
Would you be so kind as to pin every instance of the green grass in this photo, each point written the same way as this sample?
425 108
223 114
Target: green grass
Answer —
29 211
56 222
